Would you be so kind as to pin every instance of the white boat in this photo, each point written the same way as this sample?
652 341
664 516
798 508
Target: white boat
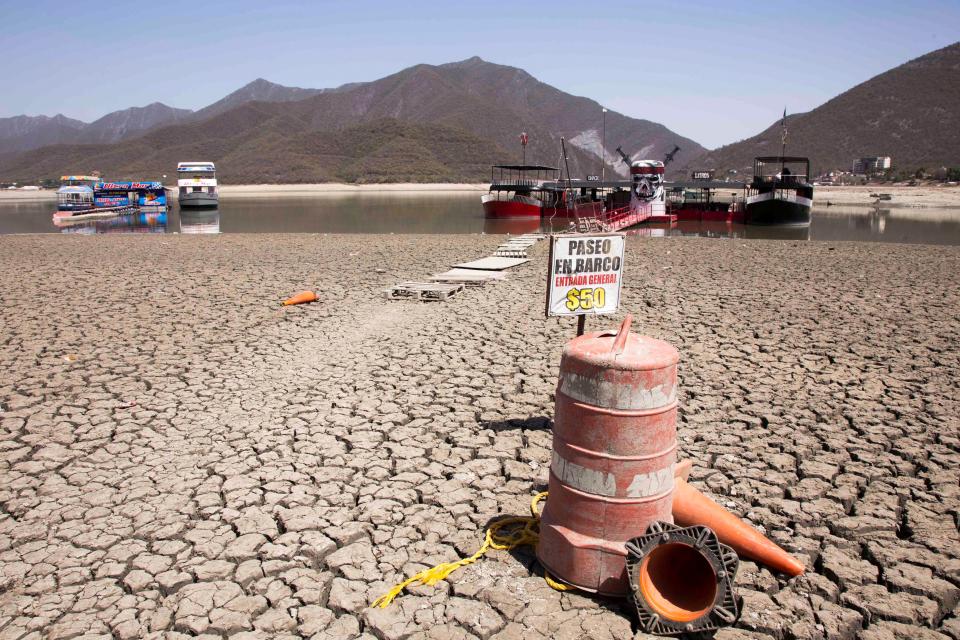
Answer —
197 184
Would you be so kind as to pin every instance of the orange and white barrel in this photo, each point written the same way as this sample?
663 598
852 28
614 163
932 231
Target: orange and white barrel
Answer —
614 452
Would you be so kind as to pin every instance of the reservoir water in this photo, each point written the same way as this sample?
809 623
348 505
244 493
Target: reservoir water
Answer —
461 213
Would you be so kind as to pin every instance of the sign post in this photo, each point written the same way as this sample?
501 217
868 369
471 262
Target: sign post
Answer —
585 275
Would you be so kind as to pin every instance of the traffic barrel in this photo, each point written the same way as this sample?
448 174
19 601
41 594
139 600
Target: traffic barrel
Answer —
614 451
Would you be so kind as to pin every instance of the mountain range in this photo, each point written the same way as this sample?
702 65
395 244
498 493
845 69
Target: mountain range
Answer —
445 122
910 113
449 122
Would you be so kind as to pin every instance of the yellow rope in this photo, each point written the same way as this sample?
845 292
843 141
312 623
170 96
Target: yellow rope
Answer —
501 535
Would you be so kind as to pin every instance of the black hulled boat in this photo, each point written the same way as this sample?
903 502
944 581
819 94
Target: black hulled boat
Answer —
780 192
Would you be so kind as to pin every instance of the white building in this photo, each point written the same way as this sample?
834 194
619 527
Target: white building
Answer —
869 166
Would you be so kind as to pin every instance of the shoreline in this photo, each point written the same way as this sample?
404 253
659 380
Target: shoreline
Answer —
923 197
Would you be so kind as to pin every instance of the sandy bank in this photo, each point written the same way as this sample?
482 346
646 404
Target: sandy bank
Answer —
921 197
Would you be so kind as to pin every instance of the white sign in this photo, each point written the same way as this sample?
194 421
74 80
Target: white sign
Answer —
585 274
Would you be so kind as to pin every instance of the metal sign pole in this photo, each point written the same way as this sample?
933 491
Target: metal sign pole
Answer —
581 324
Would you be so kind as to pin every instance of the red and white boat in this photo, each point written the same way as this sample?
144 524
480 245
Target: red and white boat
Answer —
523 191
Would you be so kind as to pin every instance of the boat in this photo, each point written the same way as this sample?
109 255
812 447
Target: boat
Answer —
700 201
76 193
522 191
780 192
197 184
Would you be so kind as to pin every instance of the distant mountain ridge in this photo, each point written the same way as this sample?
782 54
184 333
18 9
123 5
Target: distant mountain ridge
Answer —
259 90
130 122
476 109
910 113
21 133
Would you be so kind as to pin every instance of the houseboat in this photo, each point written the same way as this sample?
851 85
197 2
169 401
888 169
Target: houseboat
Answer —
76 193
780 192
197 184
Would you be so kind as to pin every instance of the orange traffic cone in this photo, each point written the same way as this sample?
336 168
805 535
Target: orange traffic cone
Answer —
690 507
301 298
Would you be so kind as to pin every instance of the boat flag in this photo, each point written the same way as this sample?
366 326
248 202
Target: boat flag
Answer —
523 138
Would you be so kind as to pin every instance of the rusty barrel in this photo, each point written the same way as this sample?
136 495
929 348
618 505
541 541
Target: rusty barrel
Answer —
614 451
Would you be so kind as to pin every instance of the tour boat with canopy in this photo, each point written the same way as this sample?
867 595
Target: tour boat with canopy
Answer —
780 192
522 191
76 193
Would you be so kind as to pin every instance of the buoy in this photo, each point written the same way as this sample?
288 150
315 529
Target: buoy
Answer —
690 508
301 298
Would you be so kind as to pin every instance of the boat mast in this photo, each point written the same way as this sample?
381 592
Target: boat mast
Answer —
783 140
563 149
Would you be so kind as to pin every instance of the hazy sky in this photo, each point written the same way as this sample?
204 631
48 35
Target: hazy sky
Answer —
713 73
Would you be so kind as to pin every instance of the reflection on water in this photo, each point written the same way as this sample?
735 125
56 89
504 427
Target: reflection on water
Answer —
142 222
200 221
461 213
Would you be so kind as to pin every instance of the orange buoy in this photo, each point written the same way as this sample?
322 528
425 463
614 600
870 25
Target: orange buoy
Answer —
301 298
690 507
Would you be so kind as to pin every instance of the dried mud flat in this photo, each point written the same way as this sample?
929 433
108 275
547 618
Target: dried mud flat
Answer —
180 456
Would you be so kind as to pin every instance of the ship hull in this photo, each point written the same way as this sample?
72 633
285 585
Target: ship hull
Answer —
777 209
198 199
510 209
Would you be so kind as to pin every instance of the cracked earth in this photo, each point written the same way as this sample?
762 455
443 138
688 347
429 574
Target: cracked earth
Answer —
181 457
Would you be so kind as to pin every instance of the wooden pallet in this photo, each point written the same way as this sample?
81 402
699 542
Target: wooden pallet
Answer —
511 252
469 277
423 291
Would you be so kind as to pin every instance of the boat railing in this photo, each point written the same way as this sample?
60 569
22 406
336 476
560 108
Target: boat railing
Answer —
517 182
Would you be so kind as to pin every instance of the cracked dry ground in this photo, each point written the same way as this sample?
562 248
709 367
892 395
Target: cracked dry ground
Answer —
180 456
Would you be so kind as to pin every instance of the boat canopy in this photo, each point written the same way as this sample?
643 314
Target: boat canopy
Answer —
769 159
525 167
509 177
195 166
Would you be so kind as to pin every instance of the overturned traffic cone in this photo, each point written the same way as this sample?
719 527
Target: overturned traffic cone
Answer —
682 580
690 507
301 298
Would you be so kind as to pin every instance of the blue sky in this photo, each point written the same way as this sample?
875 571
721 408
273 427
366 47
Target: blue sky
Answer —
715 72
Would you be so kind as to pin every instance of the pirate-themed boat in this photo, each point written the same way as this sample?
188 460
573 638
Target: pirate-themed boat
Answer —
780 192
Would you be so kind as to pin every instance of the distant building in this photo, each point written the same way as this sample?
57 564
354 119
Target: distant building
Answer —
870 166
